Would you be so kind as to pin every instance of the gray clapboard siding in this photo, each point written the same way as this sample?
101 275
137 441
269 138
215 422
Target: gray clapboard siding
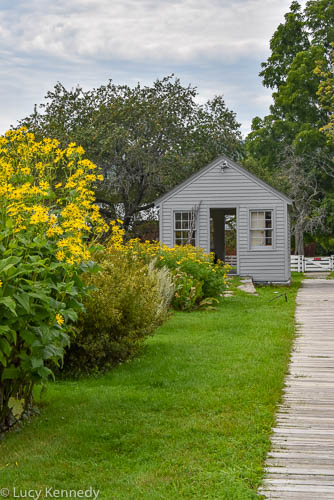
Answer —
233 188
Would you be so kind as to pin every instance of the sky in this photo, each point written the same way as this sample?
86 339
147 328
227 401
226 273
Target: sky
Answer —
214 45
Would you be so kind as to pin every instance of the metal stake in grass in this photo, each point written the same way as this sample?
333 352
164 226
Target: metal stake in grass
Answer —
280 295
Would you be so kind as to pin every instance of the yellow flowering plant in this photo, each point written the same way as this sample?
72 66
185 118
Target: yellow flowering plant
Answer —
48 223
199 280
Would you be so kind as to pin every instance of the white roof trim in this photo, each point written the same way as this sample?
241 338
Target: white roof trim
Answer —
213 164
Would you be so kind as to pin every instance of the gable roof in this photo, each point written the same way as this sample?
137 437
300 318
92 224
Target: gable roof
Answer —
230 163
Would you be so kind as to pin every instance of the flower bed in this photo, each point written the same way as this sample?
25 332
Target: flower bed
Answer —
198 279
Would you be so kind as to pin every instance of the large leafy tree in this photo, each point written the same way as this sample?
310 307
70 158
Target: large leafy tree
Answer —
146 139
289 139
326 98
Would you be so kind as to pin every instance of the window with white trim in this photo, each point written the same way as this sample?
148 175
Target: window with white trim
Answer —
261 229
184 228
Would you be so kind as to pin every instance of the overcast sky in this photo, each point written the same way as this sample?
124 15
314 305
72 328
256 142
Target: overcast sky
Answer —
216 45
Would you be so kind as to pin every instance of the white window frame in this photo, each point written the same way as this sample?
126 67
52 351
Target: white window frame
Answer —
175 229
262 248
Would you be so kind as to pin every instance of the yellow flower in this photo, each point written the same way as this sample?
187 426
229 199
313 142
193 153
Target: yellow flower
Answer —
59 319
40 215
60 255
0 283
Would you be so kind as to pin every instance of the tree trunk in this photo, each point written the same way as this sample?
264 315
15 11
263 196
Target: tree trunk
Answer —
299 241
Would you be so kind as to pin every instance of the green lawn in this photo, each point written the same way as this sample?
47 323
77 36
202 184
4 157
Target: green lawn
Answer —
190 418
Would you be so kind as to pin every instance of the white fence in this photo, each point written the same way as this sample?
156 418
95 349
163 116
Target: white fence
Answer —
231 259
302 264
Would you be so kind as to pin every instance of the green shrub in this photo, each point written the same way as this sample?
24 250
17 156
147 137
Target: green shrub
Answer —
196 276
130 299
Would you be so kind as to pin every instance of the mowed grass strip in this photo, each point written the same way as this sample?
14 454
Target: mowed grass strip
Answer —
190 418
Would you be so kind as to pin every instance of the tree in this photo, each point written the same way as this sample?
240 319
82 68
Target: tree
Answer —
301 173
288 40
326 94
289 143
326 98
145 139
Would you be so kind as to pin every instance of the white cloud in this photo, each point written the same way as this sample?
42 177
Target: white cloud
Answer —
173 30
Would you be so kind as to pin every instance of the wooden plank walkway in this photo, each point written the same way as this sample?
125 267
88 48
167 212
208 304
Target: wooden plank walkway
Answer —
301 462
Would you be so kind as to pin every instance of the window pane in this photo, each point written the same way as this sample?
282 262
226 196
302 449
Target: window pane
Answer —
183 222
268 237
268 220
257 239
257 220
181 238
261 227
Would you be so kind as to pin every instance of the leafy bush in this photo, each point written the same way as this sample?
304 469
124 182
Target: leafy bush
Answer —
196 276
130 299
44 225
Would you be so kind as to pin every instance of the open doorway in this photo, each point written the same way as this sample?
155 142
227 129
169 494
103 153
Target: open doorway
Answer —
223 235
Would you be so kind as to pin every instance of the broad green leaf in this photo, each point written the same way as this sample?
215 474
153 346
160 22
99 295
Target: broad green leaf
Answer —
24 300
36 363
8 333
45 372
4 329
3 360
17 406
6 264
71 315
5 347
28 337
40 296
9 303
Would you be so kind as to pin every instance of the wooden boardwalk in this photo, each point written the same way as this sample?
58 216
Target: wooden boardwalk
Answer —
301 462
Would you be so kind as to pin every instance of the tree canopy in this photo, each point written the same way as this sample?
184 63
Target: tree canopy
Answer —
291 138
146 139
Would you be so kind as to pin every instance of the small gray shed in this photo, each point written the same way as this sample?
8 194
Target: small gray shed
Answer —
196 212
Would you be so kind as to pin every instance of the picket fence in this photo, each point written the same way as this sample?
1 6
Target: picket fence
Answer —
301 264
231 259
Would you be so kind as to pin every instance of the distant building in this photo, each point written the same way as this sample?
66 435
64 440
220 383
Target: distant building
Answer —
195 211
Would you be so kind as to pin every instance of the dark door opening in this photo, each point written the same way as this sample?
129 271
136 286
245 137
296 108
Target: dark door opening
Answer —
223 235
